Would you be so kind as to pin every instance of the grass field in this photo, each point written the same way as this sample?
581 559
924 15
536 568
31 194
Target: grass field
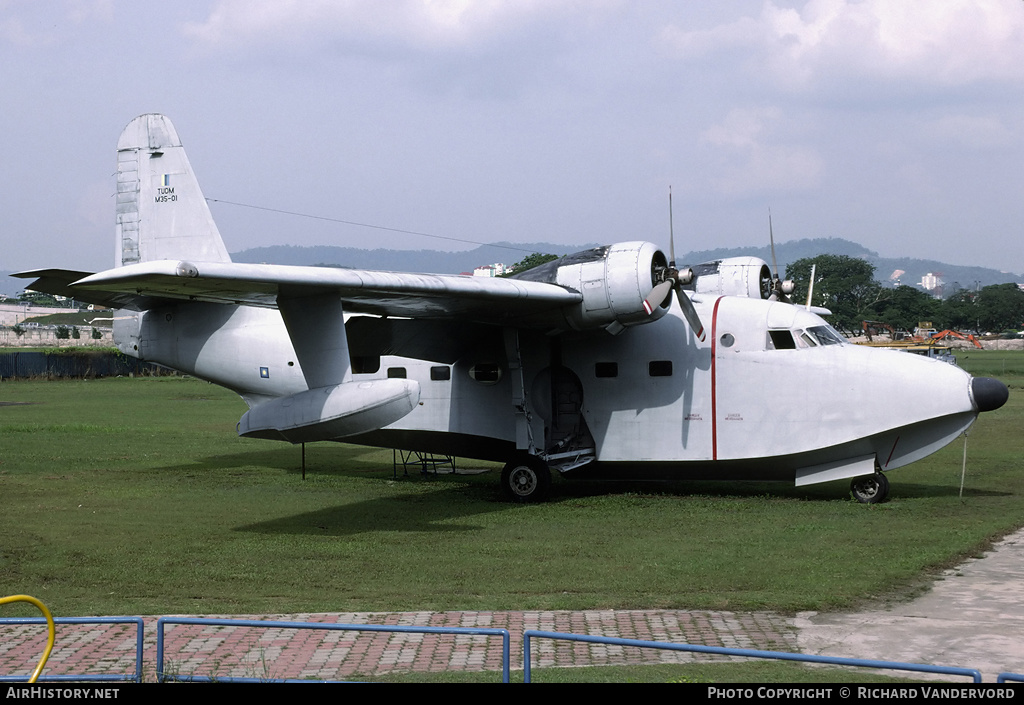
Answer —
135 496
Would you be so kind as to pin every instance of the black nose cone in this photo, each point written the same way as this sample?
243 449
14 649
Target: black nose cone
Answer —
988 394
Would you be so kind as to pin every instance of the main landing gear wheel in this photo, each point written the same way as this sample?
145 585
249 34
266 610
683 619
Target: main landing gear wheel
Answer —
870 489
526 478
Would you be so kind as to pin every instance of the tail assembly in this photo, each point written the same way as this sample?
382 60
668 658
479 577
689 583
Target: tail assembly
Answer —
161 215
161 211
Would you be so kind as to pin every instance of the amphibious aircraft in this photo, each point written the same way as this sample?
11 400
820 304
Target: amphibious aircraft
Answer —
610 362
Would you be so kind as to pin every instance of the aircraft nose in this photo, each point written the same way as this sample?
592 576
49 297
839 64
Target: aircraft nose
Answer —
988 394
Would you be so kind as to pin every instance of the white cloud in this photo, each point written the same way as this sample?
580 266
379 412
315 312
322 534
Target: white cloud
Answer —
418 24
13 31
974 132
741 129
33 24
746 157
938 42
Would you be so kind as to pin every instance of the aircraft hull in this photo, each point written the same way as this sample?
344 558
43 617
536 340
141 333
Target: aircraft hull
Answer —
605 363
655 403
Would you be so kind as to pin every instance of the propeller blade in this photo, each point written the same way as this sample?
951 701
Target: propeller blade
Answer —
777 284
672 281
690 313
771 239
657 295
671 233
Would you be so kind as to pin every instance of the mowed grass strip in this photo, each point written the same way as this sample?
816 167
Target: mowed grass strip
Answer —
135 496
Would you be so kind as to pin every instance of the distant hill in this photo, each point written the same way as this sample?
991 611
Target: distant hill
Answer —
787 252
457 262
466 261
430 261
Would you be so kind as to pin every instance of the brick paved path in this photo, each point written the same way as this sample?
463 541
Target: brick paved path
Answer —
335 655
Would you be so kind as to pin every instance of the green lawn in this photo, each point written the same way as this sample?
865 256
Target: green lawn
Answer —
135 496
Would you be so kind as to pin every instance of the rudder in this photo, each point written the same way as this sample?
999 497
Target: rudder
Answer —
161 211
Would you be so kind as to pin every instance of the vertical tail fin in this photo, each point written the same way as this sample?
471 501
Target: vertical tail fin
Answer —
161 211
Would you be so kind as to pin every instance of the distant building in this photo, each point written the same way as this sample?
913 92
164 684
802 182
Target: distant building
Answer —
490 270
930 282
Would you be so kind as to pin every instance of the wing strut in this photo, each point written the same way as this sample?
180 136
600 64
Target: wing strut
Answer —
316 326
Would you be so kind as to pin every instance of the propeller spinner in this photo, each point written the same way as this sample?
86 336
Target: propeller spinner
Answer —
672 279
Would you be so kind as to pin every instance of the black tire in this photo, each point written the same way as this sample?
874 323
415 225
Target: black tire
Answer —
870 489
525 479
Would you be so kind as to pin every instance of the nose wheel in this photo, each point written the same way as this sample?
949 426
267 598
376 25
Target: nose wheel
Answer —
870 489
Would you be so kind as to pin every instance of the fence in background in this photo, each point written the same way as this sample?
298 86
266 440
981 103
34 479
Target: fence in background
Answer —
75 364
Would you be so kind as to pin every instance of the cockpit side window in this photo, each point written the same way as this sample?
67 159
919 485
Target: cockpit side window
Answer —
781 340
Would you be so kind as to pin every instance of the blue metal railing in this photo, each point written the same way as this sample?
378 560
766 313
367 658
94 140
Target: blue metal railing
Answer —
528 636
748 653
460 631
137 621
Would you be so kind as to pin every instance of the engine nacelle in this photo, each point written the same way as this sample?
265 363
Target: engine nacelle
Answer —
331 412
614 281
733 276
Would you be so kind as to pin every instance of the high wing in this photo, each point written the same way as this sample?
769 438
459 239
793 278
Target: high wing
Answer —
170 251
145 285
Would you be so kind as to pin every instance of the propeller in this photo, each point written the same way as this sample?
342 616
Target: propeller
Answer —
672 279
780 290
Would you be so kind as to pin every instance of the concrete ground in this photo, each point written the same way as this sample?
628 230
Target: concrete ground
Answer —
973 618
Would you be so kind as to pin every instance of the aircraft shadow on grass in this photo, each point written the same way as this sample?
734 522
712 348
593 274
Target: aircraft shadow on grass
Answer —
410 514
459 496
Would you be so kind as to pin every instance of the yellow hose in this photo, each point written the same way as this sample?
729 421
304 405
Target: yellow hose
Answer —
49 623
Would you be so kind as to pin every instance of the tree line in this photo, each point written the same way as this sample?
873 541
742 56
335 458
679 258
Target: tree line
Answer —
847 287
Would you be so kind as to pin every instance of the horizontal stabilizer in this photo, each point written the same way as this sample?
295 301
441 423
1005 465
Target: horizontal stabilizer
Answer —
331 412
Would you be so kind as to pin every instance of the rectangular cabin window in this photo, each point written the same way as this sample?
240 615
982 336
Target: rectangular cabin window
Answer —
606 369
396 373
440 373
486 372
660 368
781 340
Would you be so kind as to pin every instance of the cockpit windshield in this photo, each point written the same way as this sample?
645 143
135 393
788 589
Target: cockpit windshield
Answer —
826 335
809 338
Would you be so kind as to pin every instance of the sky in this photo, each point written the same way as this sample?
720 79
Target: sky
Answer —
898 125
